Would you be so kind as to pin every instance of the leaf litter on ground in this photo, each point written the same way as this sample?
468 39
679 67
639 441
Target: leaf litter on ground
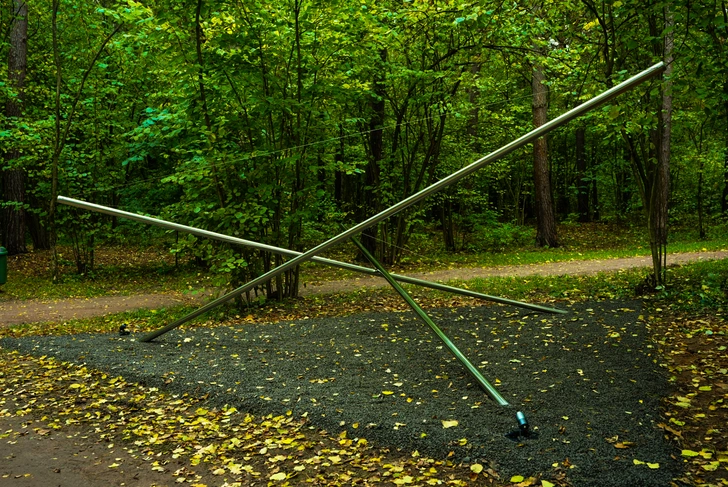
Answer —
181 435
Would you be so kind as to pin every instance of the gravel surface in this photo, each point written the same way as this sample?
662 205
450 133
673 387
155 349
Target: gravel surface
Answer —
586 381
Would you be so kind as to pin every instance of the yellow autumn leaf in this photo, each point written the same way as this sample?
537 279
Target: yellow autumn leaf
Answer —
653 466
690 453
516 478
476 468
546 483
219 471
638 462
407 479
387 393
278 476
449 423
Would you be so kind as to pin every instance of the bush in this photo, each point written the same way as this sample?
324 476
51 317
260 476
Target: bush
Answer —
497 237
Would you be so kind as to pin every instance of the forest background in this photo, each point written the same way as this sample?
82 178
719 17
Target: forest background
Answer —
284 122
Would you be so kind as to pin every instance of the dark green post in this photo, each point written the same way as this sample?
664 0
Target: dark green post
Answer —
3 265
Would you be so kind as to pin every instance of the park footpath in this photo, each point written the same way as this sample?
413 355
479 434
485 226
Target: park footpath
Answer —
33 311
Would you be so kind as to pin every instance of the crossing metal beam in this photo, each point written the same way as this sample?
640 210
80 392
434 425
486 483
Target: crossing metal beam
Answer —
482 381
419 196
292 253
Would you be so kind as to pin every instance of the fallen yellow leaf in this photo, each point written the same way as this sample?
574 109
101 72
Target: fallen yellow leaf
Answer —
450 423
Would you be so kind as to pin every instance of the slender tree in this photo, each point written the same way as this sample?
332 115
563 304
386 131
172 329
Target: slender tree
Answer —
662 177
14 174
545 218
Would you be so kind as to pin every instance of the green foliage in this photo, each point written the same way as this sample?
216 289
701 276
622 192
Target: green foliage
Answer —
493 236
283 122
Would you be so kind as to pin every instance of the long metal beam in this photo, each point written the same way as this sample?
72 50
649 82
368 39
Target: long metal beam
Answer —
482 381
292 253
419 196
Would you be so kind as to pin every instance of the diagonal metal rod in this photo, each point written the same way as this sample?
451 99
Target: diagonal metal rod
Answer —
292 253
487 386
419 196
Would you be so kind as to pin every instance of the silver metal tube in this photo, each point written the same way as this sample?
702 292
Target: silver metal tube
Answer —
292 253
419 196
482 381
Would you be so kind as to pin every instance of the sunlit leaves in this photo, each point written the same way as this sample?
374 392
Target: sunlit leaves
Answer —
220 441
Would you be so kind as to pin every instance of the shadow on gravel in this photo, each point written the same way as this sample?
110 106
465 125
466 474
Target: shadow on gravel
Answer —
586 381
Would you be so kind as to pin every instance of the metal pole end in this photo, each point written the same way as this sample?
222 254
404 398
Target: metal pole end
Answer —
522 423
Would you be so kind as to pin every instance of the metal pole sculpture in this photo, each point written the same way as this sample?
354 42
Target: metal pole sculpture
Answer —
484 384
419 196
292 253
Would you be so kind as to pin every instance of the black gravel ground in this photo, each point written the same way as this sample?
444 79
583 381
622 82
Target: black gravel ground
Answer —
585 380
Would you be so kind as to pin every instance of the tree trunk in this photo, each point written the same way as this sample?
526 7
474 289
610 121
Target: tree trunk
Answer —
582 185
199 40
545 218
298 185
474 116
595 212
448 225
699 196
376 153
14 177
39 233
661 188
724 199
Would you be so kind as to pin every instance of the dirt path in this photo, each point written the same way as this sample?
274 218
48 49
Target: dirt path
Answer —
18 312
35 455
581 267
32 311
